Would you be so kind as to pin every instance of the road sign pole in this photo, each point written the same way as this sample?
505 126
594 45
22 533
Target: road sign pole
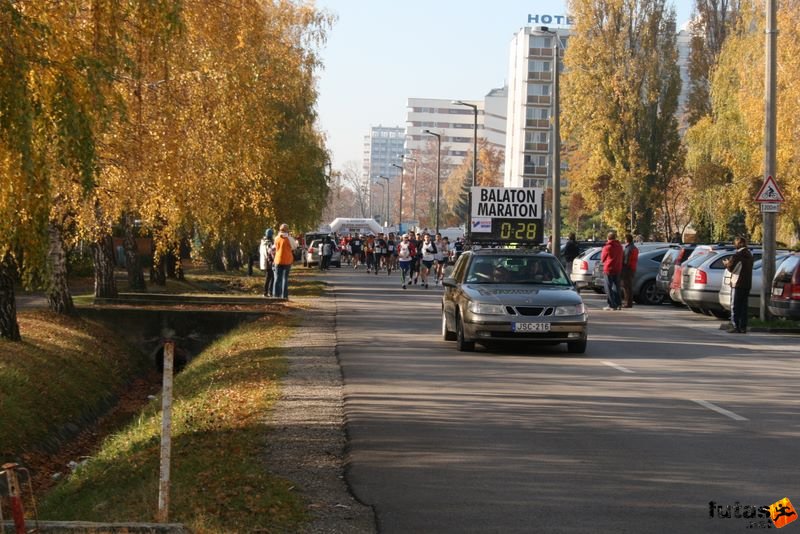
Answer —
770 112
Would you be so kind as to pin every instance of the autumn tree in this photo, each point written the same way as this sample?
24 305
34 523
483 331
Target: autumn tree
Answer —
725 150
620 96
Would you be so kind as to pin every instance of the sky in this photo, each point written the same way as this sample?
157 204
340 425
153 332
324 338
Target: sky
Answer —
380 53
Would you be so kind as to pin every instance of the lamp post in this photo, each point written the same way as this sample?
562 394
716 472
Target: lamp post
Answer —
556 233
438 171
474 157
400 218
414 190
382 187
388 221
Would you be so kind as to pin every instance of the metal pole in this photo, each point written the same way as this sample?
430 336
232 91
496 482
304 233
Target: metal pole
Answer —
166 434
770 104
556 151
402 171
438 175
414 207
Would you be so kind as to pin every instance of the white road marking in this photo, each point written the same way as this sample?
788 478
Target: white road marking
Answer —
619 367
717 409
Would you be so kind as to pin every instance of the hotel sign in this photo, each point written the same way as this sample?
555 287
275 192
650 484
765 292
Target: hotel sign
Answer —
558 20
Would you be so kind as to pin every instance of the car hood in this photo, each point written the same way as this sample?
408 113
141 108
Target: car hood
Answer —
522 294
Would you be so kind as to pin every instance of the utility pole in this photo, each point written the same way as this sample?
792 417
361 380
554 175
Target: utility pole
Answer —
770 105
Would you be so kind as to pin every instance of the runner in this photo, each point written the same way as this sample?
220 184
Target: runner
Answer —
355 250
406 254
412 238
369 252
380 253
439 258
428 256
391 254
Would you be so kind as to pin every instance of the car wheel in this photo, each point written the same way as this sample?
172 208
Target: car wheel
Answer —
462 344
576 347
696 310
721 314
598 290
447 335
649 294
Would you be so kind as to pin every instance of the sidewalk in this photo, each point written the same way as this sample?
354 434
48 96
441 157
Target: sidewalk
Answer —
306 439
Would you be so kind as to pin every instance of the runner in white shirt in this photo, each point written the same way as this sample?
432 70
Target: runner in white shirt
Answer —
438 258
428 249
405 256
442 256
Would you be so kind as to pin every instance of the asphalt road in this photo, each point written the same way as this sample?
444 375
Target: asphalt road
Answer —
664 413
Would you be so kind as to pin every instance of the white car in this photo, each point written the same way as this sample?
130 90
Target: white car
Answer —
312 254
582 273
754 298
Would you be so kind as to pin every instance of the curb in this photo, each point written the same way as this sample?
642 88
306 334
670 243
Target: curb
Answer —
85 527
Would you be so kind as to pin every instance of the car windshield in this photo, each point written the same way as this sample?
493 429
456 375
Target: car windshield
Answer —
699 258
517 270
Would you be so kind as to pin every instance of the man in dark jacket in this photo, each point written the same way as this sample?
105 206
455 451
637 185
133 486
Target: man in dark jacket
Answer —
611 256
741 267
571 251
630 259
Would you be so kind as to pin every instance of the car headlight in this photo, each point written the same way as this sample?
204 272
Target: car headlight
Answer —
578 309
480 308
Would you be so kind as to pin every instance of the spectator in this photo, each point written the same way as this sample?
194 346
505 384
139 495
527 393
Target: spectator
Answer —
741 267
571 250
611 256
325 254
284 257
267 261
630 258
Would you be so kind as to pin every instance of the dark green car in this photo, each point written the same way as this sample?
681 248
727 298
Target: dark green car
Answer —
512 295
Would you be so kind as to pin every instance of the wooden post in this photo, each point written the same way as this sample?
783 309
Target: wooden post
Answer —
166 433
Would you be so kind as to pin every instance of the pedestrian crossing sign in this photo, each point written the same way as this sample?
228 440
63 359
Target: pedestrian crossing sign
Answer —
769 192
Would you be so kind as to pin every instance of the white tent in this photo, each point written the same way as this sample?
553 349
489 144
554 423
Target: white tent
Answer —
351 226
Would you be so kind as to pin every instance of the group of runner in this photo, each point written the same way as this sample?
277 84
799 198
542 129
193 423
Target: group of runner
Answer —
417 256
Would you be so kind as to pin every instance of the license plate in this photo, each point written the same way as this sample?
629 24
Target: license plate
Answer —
530 327
777 291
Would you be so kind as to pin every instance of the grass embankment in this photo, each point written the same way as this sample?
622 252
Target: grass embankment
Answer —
774 323
219 480
64 373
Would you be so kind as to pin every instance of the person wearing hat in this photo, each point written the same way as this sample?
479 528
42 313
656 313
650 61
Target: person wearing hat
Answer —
267 261
284 257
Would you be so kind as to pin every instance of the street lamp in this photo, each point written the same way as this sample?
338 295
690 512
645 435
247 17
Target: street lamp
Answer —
388 222
438 170
474 138
414 191
400 219
474 157
556 233
382 187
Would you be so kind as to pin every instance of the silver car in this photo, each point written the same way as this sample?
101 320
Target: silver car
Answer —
312 254
583 268
754 298
702 279
645 290
512 295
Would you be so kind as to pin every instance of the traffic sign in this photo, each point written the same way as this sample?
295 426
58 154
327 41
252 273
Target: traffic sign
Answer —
769 192
770 207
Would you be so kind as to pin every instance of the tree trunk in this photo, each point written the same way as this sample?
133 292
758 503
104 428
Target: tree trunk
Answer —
9 328
103 259
132 261
59 297
159 270
170 262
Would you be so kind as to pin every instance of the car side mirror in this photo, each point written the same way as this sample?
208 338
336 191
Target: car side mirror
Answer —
449 282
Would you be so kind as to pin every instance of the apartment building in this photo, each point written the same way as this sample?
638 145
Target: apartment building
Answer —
382 146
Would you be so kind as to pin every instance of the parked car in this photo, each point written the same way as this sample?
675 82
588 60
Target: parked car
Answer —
312 254
510 295
754 298
583 246
583 268
644 280
785 299
676 255
676 284
702 278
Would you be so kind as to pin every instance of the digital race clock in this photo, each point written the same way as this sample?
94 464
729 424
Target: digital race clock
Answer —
512 230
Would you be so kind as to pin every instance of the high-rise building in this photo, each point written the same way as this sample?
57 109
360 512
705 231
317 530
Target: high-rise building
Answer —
454 122
382 146
529 143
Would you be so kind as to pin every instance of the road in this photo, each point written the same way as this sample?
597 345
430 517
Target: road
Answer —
663 414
